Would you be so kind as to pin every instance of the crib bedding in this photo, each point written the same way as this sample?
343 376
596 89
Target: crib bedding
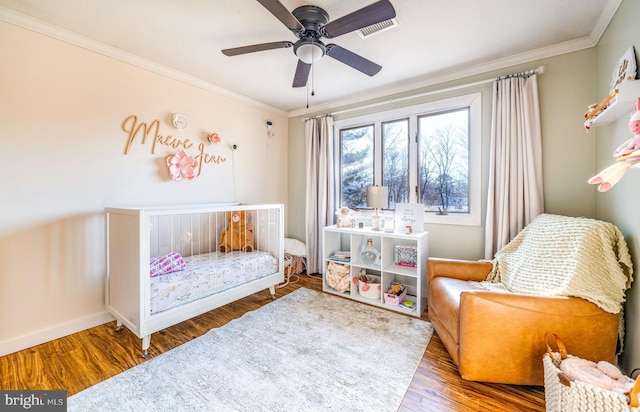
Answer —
209 273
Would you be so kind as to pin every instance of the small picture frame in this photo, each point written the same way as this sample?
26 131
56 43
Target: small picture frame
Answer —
626 69
406 255
409 218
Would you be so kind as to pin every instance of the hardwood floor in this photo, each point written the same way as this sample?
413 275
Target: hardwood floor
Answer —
83 359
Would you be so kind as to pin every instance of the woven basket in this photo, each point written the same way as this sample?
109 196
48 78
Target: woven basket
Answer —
564 395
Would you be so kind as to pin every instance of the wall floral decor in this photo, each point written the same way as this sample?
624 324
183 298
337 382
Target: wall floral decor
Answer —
214 138
180 121
182 166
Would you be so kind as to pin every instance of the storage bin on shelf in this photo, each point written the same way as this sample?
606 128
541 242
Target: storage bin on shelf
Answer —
338 276
394 296
369 286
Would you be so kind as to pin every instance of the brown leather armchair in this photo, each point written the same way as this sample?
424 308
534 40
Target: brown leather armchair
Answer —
500 337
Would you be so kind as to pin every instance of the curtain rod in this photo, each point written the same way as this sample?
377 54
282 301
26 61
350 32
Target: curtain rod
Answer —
538 70
526 73
320 116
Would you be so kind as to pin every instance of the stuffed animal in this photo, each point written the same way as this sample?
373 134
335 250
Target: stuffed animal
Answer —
602 374
607 178
628 148
238 234
344 217
627 156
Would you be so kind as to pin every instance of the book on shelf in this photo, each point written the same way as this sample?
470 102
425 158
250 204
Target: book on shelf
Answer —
341 255
407 305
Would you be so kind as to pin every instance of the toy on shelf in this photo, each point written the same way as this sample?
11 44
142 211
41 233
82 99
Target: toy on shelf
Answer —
627 156
595 110
345 219
630 147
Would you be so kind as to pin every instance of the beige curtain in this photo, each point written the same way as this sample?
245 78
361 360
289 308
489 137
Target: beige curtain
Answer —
320 187
515 194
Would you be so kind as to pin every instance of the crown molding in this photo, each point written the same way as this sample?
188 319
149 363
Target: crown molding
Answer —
58 33
605 18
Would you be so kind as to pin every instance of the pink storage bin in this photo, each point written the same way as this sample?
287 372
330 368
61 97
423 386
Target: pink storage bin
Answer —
394 300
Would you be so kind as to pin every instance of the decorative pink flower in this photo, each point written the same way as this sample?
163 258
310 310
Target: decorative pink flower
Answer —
182 166
214 138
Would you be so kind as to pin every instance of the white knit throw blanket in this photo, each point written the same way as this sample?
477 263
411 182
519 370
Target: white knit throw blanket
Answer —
565 256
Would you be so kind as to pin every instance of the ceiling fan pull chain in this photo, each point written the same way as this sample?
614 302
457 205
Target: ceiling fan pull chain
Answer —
312 76
313 80
313 72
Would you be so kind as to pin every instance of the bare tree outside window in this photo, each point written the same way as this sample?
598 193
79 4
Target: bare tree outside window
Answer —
444 161
357 165
427 153
395 160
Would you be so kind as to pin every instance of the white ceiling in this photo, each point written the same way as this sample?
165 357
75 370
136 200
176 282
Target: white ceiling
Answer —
436 40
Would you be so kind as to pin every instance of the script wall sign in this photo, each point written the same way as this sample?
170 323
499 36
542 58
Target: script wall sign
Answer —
149 133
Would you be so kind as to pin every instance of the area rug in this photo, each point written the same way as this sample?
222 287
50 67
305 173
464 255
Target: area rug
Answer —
306 351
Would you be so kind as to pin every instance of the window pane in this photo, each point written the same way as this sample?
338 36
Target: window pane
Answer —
444 161
357 165
395 160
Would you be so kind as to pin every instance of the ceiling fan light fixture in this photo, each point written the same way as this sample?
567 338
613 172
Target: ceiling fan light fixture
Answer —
309 51
310 24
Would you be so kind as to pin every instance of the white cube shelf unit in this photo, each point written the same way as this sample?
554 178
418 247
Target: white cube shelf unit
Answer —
353 240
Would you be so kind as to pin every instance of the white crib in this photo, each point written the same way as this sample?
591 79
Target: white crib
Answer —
146 304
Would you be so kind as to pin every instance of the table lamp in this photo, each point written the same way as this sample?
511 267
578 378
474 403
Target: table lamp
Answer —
377 198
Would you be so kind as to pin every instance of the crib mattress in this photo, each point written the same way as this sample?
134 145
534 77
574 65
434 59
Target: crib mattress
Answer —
207 274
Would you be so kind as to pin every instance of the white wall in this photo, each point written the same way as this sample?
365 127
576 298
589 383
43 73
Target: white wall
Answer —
620 204
62 109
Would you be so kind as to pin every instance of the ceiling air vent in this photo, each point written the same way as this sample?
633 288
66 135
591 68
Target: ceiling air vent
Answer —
377 28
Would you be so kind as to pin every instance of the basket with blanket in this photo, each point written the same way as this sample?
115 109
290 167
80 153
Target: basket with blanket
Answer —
338 277
575 384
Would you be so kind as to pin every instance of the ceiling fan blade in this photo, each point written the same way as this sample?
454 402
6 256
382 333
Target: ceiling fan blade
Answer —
257 47
374 13
282 13
302 74
351 59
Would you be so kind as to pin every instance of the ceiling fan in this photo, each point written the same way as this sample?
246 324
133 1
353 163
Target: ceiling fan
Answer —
310 24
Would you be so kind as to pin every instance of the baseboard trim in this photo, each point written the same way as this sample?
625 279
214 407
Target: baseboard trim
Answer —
38 337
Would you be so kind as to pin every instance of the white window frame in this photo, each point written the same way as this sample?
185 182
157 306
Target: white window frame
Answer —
474 102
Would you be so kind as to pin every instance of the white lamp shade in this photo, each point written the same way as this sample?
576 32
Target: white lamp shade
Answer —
309 53
378 197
